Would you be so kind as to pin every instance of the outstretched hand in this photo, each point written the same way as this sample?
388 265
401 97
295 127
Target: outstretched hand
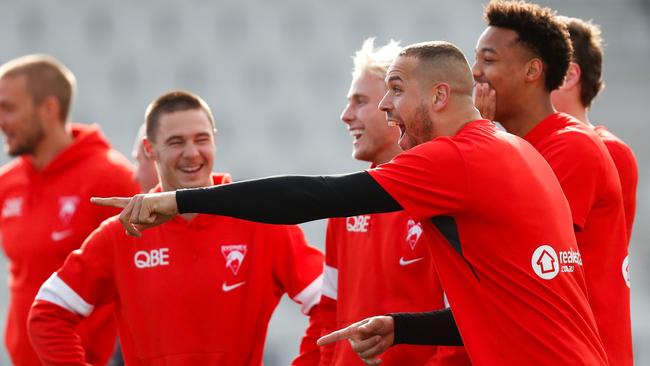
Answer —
142 211
369 338
485 100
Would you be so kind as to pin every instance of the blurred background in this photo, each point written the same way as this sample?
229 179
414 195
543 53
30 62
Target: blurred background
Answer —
276 74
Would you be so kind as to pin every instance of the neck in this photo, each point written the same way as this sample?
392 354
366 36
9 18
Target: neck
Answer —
578 112
52 144
528 115
387 155
462 115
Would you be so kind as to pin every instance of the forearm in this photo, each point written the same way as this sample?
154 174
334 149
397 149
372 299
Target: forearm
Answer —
290 199
430 328
52 331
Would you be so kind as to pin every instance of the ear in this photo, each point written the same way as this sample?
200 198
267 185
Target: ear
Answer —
441 93
50 108
147 146
534 70
572 78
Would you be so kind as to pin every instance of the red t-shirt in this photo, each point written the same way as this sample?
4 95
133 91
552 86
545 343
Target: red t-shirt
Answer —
591 184
507 256
47 214
356 248
186 293
628 173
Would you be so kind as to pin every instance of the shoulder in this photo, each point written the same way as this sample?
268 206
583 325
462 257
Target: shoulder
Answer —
13 167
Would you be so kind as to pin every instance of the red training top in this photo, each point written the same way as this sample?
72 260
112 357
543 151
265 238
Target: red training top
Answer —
591 184
47 214
197 292
507 256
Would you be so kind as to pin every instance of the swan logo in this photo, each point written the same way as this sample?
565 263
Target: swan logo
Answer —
67 208
234 256
413 233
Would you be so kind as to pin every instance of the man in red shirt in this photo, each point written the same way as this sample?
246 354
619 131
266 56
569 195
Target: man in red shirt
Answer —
355 246
582 84
199 290
44 193
504 250
522 56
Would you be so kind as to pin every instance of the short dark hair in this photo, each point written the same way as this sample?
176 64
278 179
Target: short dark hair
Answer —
448 60
170 102
588 54
46 77
539 31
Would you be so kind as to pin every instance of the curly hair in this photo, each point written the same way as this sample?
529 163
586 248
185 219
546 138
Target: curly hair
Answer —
588 54
539 31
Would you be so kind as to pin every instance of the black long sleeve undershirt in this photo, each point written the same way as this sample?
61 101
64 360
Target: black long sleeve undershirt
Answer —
297 199
290 199
430 328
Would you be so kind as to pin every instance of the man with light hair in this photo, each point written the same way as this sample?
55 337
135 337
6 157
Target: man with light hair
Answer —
357 245
44 193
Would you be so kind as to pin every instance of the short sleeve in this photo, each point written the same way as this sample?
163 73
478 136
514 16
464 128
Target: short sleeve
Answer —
428 180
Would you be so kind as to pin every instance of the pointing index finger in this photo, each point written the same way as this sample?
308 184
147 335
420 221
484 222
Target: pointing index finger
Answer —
119 202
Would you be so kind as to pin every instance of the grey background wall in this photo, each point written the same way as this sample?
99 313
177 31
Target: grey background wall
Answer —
276 73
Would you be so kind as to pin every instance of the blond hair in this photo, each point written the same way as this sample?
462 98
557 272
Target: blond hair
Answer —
375 60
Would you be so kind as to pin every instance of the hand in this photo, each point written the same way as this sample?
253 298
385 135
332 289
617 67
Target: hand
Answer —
485 100
142 211
369 338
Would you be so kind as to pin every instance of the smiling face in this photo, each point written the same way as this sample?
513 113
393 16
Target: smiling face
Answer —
406 104
373 138
184 149
19 118
501 63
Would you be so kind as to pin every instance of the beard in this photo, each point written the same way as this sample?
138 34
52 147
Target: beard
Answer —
32 136
421 130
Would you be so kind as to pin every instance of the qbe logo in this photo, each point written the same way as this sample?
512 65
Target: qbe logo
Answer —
545 262
626 270
357 224
151 258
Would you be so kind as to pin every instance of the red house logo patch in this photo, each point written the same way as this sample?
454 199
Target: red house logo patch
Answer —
545 262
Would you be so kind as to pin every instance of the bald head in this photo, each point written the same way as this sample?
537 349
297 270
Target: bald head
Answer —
441 62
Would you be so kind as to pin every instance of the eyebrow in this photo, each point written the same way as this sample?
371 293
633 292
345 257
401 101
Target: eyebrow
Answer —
487 49
393 78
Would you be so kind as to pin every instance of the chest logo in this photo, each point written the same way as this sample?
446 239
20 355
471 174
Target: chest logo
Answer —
234 256
67 208
413 233
13 207
545 262
151 258
357 224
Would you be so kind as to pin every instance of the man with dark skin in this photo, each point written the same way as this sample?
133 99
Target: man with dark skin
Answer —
521 57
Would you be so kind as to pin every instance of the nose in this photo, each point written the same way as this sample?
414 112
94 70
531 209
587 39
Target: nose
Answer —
476 71
190 150
386 103
347 116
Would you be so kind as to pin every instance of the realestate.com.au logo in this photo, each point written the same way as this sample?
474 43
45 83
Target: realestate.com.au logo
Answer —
547 263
